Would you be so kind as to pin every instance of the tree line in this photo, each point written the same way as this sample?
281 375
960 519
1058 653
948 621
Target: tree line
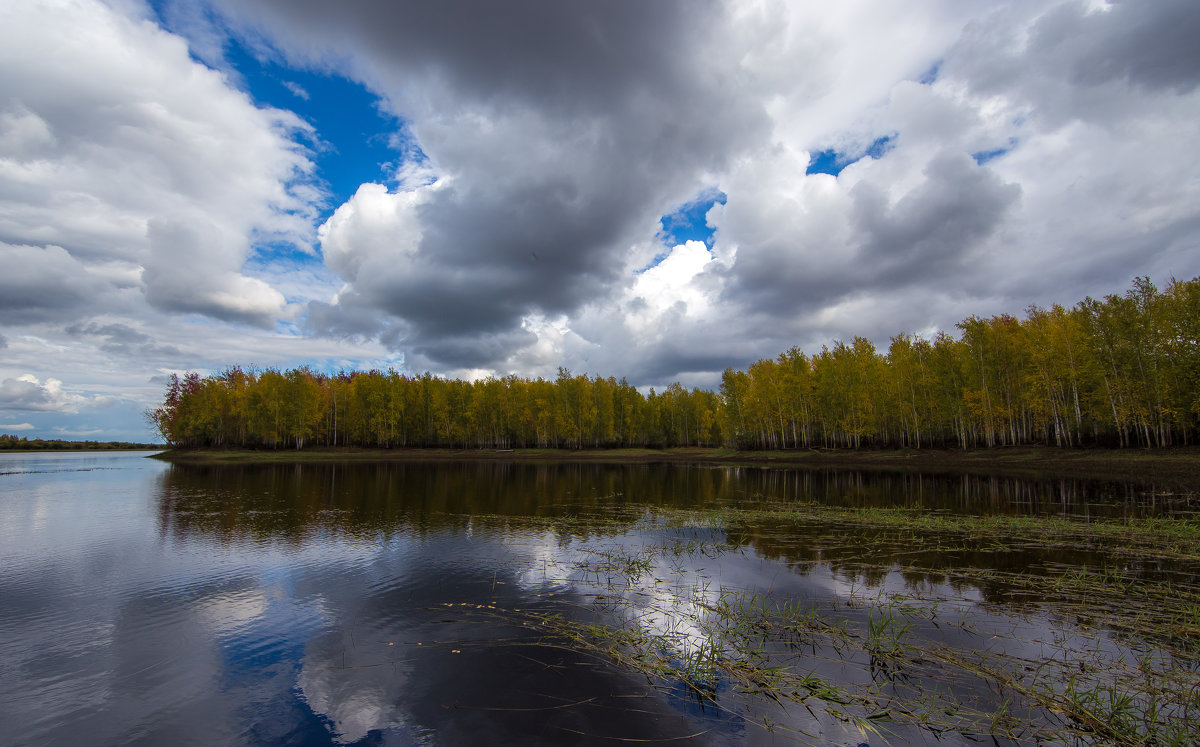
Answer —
9 442
1122 371
300 407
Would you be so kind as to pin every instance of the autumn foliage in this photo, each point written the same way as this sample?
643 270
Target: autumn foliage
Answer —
386 409
1123 371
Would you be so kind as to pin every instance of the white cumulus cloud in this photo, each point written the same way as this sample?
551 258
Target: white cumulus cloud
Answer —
108 129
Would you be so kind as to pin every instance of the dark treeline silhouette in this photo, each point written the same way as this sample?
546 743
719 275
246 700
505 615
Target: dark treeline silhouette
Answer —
10 442
1122 371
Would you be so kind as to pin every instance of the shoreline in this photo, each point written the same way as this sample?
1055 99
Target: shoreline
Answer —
1171 470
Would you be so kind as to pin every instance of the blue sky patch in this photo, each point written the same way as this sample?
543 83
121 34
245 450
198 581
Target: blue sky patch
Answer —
931 75
984 156
269 250
825 162
357 142
688 222
832 162
880 146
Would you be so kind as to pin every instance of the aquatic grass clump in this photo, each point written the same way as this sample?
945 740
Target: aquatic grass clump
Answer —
1097 699
619 562
886 631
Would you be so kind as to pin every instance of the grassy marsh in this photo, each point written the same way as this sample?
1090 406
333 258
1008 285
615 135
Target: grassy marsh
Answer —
1076 655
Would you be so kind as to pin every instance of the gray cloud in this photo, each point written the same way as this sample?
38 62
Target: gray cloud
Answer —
540 208
1075 62
108 128
864 241
116 333
1148 43
27 394
562 132
573 58
1087 188
935 228
44 283
192 267
121 339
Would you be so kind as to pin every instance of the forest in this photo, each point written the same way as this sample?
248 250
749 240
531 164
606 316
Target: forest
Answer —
1122 372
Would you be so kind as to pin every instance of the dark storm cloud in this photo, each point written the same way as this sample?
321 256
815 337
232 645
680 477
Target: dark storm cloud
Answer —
679 359
566 130
468 351
575 55
486 262
1150 43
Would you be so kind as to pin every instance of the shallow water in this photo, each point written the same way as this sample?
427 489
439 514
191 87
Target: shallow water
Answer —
142 602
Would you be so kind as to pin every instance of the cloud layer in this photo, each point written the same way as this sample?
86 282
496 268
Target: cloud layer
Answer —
154 214
1041 137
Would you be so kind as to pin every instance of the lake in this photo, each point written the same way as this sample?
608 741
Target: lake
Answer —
493 603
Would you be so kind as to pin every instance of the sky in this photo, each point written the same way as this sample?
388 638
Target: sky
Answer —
657 191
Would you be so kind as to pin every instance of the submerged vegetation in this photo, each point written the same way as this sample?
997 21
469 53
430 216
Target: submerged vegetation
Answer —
816 605
1072 656
1124 371
1066 655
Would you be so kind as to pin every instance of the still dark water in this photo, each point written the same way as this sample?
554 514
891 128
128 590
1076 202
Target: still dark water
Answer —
145 603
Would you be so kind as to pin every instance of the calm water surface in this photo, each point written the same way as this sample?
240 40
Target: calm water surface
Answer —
145 603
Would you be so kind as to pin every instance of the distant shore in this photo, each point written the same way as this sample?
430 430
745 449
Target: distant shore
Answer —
1174 470
73 446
